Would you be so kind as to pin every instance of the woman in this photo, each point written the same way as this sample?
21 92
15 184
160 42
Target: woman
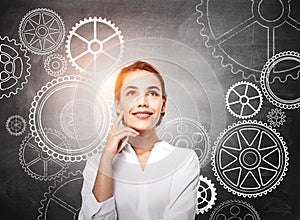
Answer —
138 176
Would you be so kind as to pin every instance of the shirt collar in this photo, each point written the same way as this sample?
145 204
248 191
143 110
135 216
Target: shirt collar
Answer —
160 150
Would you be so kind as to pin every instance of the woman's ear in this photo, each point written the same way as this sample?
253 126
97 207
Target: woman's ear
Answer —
163 108
118 107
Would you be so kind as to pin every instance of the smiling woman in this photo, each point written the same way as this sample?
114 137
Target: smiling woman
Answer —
138 176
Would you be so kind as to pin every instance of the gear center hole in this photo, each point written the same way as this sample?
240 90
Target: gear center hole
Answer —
44 156
42 31
95 46
55 64
250 158
271 10
244 100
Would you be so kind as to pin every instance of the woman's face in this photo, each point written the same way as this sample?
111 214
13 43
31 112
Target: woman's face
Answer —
141 100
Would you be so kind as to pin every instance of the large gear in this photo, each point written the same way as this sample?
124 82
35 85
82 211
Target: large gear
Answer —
14 67
268 69
243 100
206 195
237 38
46 109
88 43
250 159
42 31
55 65
63 199
187 133
37 163
15 125
276 117
67 116
234 209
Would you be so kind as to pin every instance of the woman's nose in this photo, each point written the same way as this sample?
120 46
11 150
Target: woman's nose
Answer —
142 101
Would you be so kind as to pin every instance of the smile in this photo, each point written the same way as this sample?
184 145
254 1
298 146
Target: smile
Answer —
142 114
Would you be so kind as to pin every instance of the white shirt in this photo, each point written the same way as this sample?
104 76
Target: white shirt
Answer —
165 189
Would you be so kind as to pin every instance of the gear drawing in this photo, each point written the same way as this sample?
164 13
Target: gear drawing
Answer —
243 100
187 133
14 67
250 159
268 71
67 122
37 163
206 195
52 98
15 125
234 209
64 196
55 65
42 31
88 43
276 117
237 39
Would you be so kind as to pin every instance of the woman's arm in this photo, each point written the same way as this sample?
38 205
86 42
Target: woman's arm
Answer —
103 184
183 192
97 194
91 208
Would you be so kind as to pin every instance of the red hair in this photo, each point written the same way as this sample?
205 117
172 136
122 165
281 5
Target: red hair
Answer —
138 65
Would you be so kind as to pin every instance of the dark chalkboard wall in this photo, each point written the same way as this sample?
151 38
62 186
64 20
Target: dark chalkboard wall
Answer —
216 30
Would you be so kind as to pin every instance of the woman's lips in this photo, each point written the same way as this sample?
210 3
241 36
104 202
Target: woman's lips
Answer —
142 115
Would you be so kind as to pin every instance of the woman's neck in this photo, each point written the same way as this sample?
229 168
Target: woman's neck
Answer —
144 142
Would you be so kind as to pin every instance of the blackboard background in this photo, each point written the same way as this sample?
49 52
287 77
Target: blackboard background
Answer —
20 195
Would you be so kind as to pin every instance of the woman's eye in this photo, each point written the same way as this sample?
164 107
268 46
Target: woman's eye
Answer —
131 93
152 93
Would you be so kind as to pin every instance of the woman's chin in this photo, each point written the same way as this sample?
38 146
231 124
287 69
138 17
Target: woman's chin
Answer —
142 127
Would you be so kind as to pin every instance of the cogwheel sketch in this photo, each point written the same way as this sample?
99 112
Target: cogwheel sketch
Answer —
15 125
55 65
45 112
206 195
63 200
88 43
41 31
187 133
14 67
250 158
290 74
276 117
244 41
234 210
37 163
67 119
243 100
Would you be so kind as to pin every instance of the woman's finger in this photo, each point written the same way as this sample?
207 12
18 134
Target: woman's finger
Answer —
119 119
127 129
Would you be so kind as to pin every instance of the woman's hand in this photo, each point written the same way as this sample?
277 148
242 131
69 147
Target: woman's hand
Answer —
116 137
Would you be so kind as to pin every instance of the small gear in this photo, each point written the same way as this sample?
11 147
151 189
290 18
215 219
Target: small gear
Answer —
206 195
276 117
37 163
244 100
268 69
14 67
42 31
55 65
244 41
88 44
250 159
187 133
234 209
15 125
64 196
